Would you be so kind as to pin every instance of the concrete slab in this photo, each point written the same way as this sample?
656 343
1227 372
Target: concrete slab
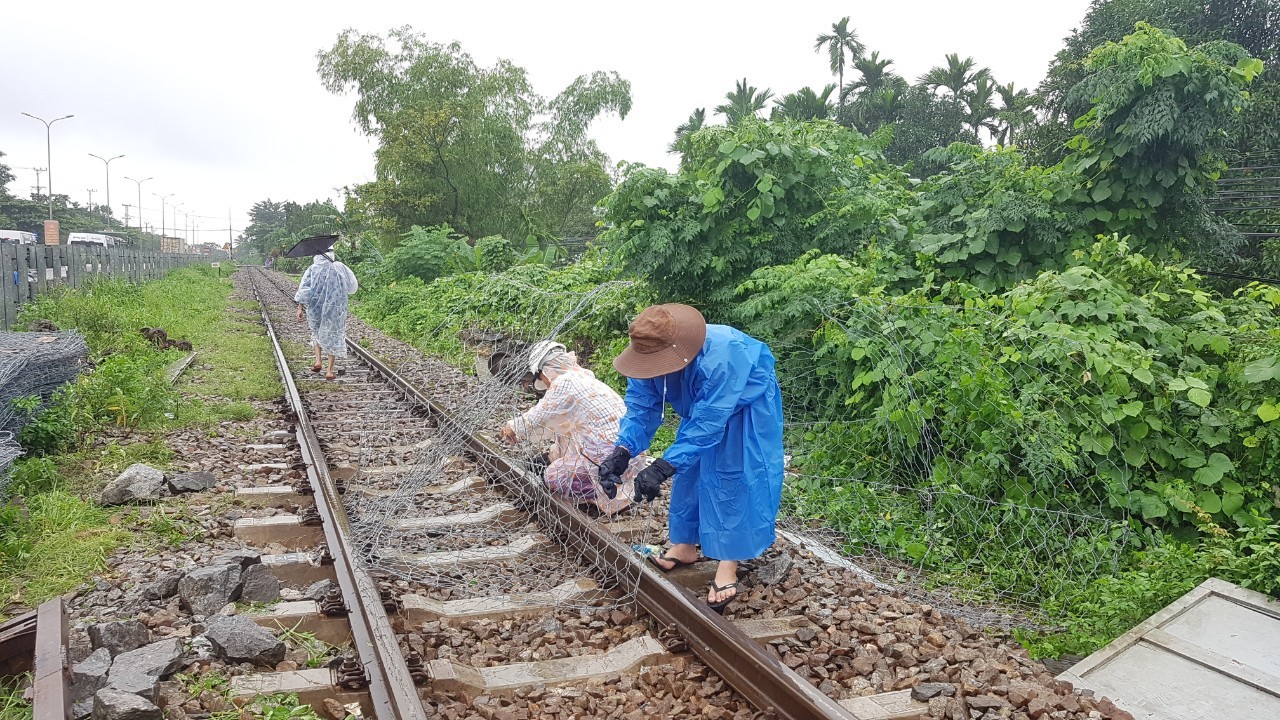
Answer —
767 629
303 616
298 570
631 656
1210 654
311 686
896 705
632 530
449 559
277 496
285 530
418 609
499 513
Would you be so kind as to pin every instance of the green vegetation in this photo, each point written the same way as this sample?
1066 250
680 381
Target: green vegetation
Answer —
999 363
115 415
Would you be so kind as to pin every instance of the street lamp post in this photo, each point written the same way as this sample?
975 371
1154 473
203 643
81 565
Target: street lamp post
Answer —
107 163
162 225
139 183
48 151
175 222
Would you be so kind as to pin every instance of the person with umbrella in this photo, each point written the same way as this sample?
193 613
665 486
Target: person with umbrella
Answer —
727 456
322 299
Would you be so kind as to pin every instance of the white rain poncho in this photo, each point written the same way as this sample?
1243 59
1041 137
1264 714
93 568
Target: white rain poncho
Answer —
323 292
580 415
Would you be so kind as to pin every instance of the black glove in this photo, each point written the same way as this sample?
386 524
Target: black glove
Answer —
650 479
611 470
616 464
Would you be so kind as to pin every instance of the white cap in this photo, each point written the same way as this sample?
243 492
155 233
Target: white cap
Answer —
539 353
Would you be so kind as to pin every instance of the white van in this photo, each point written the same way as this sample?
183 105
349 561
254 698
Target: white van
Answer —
91 239
17 237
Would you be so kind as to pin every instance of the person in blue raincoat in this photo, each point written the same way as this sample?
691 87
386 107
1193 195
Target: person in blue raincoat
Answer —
727 457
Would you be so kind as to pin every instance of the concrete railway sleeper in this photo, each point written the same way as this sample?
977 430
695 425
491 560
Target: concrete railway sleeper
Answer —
683 626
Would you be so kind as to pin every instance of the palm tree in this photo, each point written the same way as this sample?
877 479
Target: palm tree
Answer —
842 39
744 102
1017 111
958 76
979 110
873 73
804 104
695 122
873 109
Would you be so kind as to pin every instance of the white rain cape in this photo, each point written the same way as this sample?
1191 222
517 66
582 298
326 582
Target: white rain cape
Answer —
323 291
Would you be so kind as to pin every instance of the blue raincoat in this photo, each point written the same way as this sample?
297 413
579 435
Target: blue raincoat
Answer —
323 290
728 451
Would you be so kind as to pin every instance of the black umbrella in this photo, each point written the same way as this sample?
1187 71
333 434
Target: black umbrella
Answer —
312 246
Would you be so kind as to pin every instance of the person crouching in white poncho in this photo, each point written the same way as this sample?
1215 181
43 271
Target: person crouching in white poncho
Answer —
580 416
322 298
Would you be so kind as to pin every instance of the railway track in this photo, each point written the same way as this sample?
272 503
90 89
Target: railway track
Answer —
459 587
358 437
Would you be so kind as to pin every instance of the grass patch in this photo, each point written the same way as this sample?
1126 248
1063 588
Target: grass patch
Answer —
52 542
12 704
51 539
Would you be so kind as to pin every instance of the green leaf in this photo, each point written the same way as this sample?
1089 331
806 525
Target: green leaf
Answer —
916 550
1131 408
1199 397
1261 370
1143 375
1151 507
727 147
1217 466
1268 412
1232 502
753 212
1209 501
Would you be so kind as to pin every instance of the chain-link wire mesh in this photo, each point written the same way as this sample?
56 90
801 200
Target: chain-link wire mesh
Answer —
32 365
935 446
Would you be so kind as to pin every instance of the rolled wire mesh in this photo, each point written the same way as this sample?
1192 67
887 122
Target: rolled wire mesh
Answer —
932 445
43 362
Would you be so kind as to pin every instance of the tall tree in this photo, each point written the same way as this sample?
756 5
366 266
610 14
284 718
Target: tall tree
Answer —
471 146
696 120
804 104
1017 111
744 102
842 45
980 111
873 73
957 75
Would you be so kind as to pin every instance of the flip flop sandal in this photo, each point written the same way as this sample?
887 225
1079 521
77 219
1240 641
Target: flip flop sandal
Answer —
678 563
317 368
330 377
720 606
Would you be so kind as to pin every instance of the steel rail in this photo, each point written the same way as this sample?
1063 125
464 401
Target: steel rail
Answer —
760 677
391 689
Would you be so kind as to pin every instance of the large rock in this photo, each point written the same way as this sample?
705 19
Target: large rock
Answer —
192 482
111 704
138 671
319 590
259 585
243 557
90 675
206 590
163 587
118 637
236 638
138 482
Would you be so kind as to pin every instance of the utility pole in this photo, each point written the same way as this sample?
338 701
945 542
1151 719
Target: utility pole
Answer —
126 215
39 187
48 151
231 243
162 226
107 163
139 183
91 192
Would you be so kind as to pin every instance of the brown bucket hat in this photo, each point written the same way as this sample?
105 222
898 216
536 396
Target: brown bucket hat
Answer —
664 338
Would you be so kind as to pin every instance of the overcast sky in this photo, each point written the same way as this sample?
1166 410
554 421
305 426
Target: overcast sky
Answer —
221 104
